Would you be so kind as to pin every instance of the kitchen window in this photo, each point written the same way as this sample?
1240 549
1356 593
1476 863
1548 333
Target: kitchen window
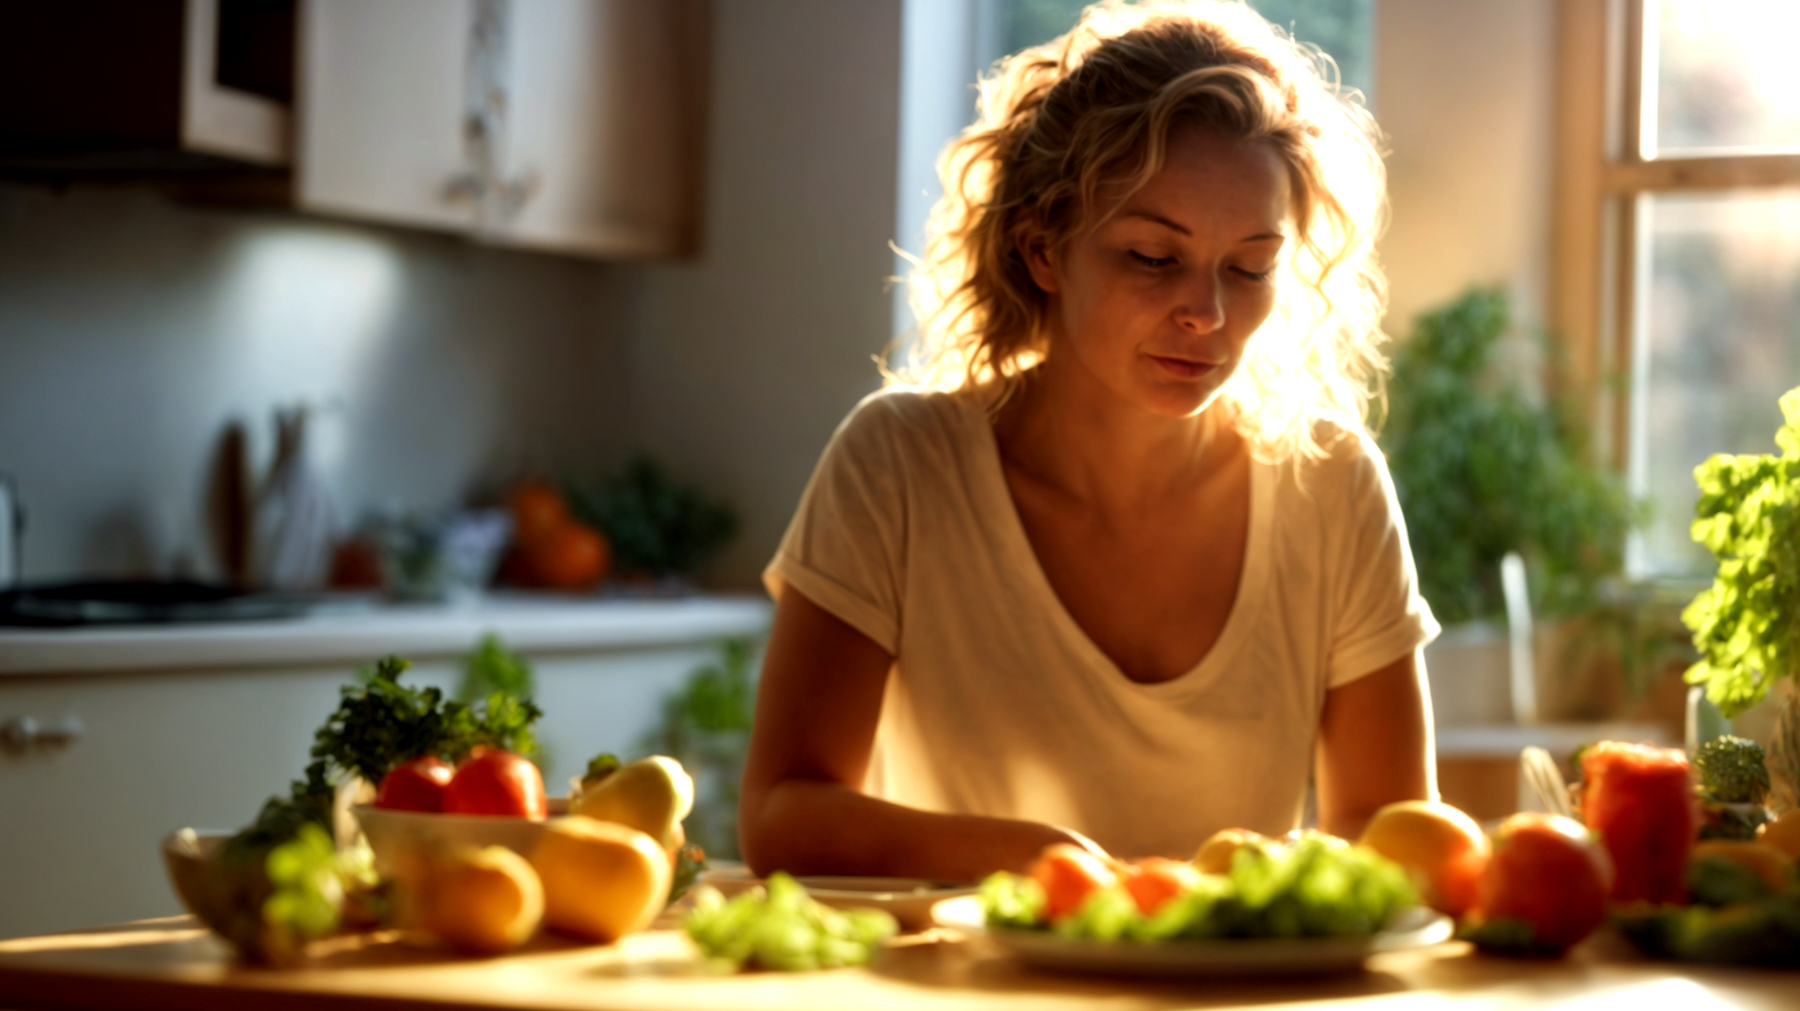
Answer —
1676 274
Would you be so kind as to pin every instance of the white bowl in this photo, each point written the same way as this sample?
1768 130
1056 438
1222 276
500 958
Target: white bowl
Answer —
394 832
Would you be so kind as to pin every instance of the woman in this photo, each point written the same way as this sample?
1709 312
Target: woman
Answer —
1121 563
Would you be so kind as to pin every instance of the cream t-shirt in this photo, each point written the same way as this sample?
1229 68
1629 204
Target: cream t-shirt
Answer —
999 704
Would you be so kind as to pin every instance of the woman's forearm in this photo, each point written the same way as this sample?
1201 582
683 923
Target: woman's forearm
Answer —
810 827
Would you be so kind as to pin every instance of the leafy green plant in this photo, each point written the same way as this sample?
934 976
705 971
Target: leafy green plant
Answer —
657 526
1482 470
503 681
1747 624
380 723
706 727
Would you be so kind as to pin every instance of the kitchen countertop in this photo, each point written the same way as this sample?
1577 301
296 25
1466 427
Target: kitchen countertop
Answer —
172 963
528 622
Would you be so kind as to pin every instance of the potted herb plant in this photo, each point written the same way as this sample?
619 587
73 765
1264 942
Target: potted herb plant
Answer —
1483 469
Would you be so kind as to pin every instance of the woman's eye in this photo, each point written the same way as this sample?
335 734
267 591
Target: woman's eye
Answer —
1152 261
1254 275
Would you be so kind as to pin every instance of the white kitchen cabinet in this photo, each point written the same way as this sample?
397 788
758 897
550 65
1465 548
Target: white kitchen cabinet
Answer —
566 125
381 110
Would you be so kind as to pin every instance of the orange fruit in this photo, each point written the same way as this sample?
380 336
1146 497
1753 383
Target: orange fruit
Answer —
601 880
1153 881
1783 833
1068 874
1442 849
570 557
1214 855
537 509
484 901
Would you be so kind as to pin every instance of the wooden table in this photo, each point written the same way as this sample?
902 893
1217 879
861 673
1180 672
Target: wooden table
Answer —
172 963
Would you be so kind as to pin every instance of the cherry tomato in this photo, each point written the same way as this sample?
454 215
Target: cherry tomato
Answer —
1154 881
416 785
1068 874
496 782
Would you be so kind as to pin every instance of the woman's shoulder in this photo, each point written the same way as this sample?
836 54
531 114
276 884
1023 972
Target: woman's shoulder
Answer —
1350 464
910 418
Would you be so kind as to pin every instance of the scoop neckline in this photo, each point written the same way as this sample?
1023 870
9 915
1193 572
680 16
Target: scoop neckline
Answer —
1238 622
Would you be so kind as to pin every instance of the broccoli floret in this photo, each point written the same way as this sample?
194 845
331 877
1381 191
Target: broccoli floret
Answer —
1732 771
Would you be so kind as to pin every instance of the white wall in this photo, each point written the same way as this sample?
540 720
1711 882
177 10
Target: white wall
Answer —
132 330
1466 93
745 360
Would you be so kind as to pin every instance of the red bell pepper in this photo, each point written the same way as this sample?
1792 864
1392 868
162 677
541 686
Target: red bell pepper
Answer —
1640 800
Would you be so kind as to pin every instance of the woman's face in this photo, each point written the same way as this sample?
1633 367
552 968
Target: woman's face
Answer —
1159 302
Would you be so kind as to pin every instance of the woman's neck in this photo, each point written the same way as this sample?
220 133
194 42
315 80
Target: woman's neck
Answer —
1067 430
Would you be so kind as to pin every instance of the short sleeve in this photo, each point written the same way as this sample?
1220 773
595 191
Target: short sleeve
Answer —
1381 615
845 548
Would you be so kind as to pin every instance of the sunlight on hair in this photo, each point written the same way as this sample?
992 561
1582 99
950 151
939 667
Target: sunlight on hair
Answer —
1094 109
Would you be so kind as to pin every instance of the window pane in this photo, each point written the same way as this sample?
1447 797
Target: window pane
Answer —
1726 74
1721 343
1340 27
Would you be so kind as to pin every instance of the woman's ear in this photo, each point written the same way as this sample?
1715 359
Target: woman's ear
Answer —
1040 259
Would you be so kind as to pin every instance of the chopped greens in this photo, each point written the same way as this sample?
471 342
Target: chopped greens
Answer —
311 878
780 927
1312 887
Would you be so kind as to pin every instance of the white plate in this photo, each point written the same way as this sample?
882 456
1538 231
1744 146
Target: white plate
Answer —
1414 928
910 900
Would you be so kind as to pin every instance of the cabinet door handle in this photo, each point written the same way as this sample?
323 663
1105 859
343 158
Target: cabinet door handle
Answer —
23 733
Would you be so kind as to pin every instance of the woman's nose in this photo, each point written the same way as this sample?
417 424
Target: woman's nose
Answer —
1201 309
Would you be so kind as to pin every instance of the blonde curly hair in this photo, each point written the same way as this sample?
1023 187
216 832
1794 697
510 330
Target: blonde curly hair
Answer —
1095 108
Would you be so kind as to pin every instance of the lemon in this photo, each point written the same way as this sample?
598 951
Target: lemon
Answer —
1441 847
651 795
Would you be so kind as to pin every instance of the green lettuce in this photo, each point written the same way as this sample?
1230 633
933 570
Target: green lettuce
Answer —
1747 624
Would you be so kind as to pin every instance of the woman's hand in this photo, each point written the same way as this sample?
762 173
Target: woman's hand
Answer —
802 808
1375 746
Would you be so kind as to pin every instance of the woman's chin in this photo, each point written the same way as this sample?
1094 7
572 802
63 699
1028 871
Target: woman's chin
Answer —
1178 400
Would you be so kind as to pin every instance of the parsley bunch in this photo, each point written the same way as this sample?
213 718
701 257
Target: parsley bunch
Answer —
1747 624
380 723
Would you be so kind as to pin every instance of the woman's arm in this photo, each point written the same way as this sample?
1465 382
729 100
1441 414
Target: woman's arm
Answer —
1375 746
802 810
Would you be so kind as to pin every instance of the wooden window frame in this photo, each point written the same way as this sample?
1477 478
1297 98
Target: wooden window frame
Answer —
1602 176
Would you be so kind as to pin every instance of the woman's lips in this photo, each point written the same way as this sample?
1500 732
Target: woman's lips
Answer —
1183 368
